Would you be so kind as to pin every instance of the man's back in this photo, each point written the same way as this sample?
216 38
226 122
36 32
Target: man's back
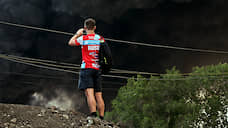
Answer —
90 45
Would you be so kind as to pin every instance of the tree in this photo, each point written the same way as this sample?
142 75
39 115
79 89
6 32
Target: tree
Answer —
173 100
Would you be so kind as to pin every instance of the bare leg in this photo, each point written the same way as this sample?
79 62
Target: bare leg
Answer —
89 92
100 103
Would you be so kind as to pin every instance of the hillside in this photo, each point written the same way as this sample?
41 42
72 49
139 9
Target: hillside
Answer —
23 116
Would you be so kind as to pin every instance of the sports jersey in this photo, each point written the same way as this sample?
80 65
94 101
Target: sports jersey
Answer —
90 45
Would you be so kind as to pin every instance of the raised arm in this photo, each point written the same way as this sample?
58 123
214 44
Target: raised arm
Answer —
78 34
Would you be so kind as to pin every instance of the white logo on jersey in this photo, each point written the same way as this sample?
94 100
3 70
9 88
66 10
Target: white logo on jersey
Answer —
91 37
95 65
93 47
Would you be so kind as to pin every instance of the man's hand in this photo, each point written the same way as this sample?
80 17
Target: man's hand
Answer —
80 31
78 34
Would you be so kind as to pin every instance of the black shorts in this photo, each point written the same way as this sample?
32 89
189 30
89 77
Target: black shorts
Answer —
90 78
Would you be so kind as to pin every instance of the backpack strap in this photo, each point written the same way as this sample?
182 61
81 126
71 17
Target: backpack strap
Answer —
105 58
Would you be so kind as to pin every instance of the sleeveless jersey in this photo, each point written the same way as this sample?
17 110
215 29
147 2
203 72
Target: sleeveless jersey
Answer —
90 46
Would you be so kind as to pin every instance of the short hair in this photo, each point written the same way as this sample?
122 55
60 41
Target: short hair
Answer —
90 23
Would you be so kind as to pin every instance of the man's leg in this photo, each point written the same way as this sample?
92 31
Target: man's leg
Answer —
100 104
89 92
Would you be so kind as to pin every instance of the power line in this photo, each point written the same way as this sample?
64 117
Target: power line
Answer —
38 62
37 76
36 28
160 79
44 62
183 78
31 83
58 85
169 47
35 65
75 66
51 77
132 72
121 41
53 68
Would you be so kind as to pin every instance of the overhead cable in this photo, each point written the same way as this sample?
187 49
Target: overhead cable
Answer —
121 41
43 60
56 64
54 68
75 66
43 63
50 77
123 77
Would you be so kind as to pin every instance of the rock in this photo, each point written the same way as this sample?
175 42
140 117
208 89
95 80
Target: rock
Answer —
97 121
14 120
6 124
29 126
39 115
72 124
66 116
12 125
43 111
90 121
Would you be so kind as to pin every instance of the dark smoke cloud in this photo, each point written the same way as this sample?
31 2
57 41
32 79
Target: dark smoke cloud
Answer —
186 23
14 40
102 9
26 11
105 9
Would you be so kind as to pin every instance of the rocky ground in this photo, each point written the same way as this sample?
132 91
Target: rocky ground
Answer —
23 116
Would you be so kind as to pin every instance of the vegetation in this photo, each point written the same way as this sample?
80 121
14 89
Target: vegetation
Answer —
174 100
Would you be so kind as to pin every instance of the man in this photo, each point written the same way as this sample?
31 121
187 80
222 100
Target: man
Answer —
90 75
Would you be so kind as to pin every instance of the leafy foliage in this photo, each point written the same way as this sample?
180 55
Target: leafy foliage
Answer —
174 100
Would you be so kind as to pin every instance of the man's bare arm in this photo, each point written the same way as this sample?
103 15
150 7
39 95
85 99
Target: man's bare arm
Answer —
78 34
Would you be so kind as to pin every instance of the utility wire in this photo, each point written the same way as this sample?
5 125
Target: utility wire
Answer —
183 79
47 64
51 77
121 41
28 83
25 59
168 47
42 60
38 76
160 79
36 28
35 65
53 68
76 66
132 72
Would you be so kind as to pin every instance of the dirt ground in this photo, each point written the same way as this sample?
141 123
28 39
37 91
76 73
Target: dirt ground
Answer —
23 116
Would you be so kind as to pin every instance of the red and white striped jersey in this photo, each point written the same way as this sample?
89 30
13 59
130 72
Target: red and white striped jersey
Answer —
90 45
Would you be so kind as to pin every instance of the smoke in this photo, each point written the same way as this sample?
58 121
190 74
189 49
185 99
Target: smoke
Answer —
186 23
106 10
101 9
17 41
59 99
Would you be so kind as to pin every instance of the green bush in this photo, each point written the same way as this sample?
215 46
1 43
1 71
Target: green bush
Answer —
173 100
